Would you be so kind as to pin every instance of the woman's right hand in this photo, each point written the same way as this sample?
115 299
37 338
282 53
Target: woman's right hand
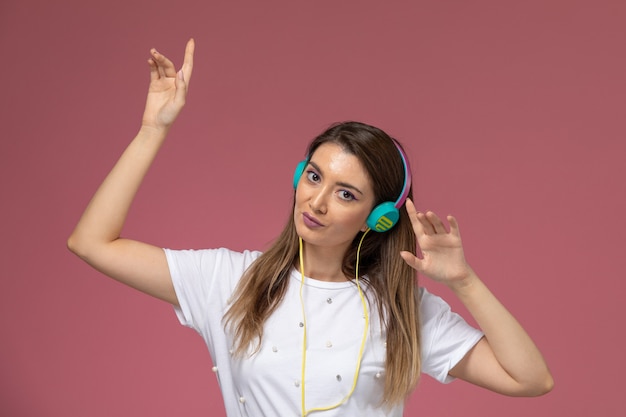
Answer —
97 237
168 89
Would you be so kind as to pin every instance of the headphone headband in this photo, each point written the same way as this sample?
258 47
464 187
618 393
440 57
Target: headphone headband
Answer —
406 187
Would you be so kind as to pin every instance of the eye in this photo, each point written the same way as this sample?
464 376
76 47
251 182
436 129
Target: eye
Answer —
346 195
312 176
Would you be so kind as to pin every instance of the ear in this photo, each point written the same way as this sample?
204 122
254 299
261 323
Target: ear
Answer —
365 228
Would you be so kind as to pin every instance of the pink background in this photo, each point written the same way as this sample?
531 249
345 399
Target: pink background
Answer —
512 113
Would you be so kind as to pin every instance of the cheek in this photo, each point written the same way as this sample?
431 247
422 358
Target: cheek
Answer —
356 220
300 194
297 199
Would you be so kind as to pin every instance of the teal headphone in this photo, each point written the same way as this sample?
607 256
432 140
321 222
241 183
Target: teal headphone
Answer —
385 215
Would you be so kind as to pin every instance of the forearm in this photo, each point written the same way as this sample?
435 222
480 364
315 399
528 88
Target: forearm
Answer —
512 346
104 217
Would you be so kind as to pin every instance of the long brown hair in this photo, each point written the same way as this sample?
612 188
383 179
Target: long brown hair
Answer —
394 283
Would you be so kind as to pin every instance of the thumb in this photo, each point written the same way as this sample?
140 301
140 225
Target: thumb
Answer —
411 260
181 89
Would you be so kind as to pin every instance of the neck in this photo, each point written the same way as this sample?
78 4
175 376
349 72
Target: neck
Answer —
322 264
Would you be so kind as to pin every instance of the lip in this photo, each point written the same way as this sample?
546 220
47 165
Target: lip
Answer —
311 221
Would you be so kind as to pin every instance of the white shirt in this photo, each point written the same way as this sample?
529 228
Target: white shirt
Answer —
269 383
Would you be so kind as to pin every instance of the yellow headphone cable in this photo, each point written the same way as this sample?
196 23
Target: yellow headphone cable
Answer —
305 412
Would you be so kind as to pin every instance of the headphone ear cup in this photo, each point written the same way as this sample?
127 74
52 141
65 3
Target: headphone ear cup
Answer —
383 217
298 173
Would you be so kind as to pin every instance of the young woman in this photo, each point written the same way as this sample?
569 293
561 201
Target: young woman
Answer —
329 320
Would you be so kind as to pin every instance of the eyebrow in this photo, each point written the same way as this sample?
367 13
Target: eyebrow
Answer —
342 184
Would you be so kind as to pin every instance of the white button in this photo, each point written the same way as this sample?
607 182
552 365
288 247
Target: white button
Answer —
296 383
378 375
301 324
242 400
214 369
329 300
274 349
329 344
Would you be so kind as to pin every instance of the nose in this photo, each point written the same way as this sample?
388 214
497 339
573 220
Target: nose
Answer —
318 201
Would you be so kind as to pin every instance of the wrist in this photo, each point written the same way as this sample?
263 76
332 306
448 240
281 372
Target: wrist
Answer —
154 132
465 283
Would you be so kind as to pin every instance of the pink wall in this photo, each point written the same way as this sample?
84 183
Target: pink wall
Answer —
512 112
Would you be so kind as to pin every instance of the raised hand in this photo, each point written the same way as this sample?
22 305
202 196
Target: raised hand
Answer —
168 88
506 360
442 259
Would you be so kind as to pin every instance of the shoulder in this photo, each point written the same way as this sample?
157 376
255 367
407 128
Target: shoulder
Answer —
431 306
437 318
210 260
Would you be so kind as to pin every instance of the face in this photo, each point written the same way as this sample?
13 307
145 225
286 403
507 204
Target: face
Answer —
333 198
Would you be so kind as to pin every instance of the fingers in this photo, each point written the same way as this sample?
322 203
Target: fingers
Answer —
454 226
154 71
435 223
165 68
429 223
413 216
188 60
423 223
162 67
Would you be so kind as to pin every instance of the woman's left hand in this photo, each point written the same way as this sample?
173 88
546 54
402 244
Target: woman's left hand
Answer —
442 251
506 360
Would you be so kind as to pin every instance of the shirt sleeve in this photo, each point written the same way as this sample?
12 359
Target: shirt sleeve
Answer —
446 337
204 281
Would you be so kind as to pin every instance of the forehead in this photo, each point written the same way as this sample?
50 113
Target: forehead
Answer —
334 161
